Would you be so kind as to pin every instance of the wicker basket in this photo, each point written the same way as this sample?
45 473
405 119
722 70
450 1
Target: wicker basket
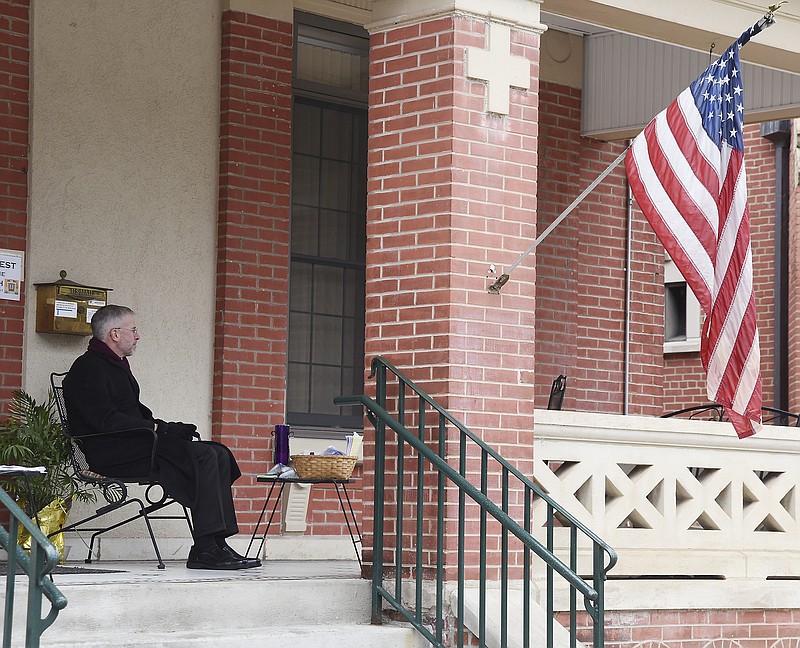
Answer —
324 466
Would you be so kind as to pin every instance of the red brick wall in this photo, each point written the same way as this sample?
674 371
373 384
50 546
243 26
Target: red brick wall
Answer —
451 190
760 161
581 282
325 516
601 290
684 378
14 127
765 628
580 307
684 381
646 370
252 244
760 166
794 271
700 628
557 271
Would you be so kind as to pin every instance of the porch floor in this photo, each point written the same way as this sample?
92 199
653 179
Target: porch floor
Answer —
108 572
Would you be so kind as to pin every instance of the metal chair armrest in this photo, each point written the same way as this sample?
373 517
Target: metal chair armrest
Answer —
127 430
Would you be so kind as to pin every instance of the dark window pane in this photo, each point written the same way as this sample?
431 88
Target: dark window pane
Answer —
305 230
300 287
328 289
675 312
326 384
306 129
297 396
334 234
327 341
299 332
337 136
305 181
335 185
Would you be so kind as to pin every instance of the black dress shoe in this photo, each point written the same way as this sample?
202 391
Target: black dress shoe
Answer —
250 562
216 558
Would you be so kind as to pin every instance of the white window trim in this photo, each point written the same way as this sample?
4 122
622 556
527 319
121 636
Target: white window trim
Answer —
693 314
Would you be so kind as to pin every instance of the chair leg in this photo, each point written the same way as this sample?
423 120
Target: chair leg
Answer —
161 564
88 560
188 520
143 513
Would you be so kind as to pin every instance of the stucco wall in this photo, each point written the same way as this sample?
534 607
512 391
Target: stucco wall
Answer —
125 106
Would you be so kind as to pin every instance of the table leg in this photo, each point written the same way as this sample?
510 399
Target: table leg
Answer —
261 517
355 539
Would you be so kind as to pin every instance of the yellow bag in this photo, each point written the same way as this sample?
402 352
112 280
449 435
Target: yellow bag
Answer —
51 518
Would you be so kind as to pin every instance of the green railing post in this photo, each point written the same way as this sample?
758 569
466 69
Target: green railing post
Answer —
604 558
11 548
440 490
43 558
399 497
462 525
377 523
418 580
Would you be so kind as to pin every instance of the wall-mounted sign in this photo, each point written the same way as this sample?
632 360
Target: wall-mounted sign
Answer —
12 263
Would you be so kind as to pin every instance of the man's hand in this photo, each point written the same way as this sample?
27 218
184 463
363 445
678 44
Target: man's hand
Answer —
185 431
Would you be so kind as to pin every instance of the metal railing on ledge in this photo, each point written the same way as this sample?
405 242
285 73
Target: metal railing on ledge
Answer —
411 509
43 558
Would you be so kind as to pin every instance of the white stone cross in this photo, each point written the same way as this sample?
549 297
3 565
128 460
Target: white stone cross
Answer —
498 68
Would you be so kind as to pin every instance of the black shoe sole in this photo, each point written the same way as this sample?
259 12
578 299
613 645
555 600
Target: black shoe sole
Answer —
191 564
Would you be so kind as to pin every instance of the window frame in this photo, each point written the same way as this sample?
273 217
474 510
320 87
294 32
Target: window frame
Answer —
351 39
693 313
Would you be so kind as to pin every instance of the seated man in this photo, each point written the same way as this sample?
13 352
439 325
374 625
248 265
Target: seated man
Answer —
102 395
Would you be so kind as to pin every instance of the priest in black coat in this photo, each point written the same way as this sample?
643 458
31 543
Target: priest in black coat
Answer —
102 395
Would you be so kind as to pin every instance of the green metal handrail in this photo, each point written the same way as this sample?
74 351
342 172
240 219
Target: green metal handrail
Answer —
603 556
43 558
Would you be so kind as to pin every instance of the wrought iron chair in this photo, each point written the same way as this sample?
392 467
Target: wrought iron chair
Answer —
557 393
114 489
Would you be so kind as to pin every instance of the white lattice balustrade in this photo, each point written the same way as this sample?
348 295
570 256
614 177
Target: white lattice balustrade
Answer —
675 497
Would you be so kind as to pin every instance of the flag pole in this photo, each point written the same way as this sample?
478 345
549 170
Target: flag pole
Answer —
766 21
503 278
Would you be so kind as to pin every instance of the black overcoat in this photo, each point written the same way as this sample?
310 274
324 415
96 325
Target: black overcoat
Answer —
102 395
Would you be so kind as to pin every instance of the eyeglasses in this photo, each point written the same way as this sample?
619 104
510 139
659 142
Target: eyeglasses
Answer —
133 330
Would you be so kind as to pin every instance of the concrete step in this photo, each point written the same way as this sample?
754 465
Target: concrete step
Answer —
302 604
334 636
210 605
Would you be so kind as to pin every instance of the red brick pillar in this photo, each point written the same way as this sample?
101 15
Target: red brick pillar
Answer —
452 189
252 243
15 50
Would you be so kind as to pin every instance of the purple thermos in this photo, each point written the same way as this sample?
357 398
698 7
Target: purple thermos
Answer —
281 435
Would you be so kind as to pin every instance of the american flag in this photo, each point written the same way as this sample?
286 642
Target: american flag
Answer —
686 171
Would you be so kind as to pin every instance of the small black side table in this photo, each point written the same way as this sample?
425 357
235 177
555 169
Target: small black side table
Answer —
279 484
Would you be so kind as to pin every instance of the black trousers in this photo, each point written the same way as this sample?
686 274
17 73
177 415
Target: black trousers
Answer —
214 513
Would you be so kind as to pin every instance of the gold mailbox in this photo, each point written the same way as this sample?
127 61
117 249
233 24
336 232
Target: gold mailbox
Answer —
67 307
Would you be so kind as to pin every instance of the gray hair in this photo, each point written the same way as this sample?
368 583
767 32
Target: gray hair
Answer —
107 318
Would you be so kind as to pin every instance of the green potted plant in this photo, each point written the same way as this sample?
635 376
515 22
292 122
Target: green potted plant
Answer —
31 436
